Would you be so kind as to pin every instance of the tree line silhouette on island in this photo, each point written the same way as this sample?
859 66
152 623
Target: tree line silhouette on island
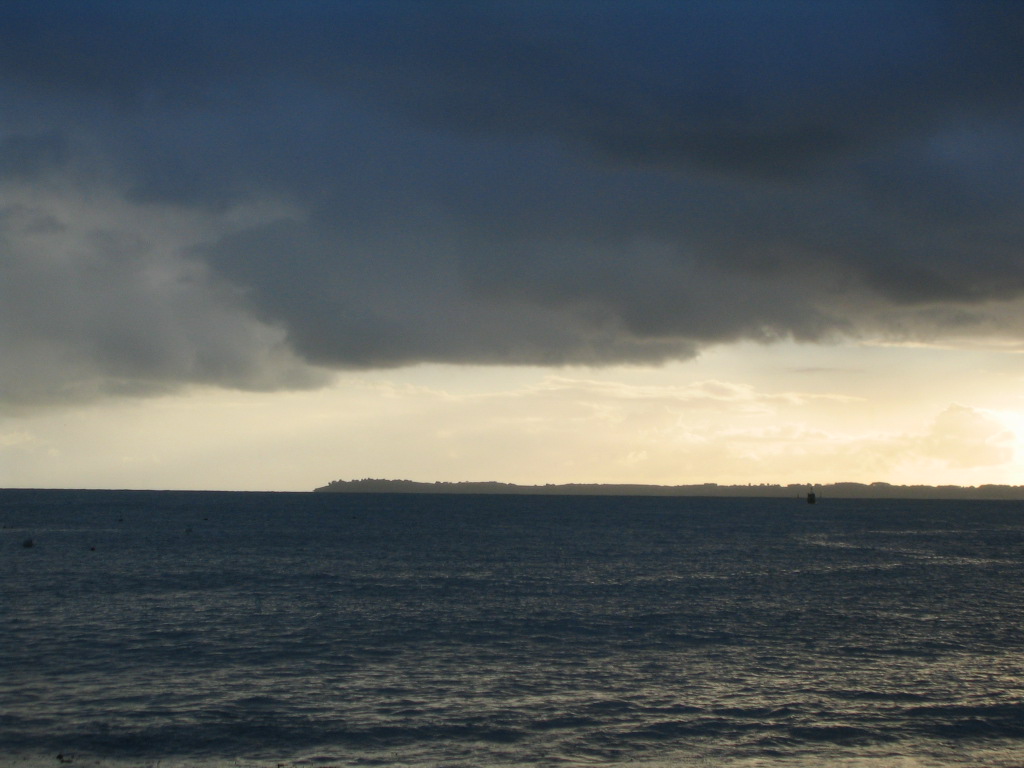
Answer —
769 490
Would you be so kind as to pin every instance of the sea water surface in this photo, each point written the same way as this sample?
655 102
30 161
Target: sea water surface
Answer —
247 629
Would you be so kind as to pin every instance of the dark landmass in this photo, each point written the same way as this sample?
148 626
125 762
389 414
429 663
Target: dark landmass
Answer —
831 490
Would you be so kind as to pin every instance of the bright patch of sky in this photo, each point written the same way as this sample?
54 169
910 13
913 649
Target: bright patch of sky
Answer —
744 414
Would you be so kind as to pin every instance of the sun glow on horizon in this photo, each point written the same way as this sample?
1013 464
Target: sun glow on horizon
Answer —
728 417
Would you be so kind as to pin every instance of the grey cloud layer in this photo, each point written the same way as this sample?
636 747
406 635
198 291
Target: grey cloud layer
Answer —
496 182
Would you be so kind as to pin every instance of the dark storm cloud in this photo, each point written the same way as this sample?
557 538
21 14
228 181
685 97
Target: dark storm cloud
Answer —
27 156
376 183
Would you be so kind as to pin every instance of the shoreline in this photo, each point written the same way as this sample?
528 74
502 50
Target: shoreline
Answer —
764 490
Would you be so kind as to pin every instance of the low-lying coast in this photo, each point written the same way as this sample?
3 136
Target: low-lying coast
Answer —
794 490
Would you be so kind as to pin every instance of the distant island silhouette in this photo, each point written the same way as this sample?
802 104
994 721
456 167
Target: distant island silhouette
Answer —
763 490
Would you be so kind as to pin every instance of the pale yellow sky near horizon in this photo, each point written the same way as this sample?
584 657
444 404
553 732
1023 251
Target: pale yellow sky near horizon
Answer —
746 413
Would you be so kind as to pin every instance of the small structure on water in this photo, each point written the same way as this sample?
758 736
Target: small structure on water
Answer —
812 498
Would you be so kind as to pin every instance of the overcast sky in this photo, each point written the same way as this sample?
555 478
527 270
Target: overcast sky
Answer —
528 241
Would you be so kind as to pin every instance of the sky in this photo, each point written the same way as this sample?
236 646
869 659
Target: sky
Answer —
267 245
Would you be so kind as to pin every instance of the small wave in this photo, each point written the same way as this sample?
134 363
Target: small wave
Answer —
859 695
611 705
836 734
566 722
697 728
986 721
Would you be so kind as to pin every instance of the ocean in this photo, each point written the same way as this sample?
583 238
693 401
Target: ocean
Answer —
275 630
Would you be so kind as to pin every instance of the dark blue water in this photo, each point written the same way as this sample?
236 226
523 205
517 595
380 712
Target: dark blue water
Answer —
206 629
